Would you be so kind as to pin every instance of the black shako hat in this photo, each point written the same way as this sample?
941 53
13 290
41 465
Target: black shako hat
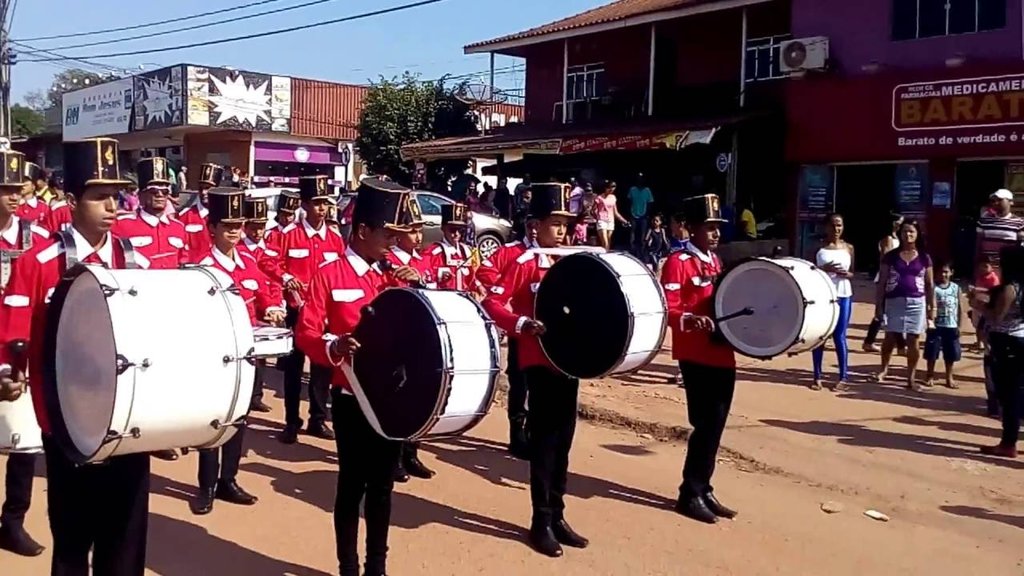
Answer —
13 174
153 172
225 205
312 187
700 209
255 209
454 215
93 161
380 203
549 200
211 174
288 201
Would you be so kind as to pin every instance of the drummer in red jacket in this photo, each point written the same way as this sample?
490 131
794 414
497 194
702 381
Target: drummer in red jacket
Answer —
707 363
334 302
103 508
553 395
451 259
217 478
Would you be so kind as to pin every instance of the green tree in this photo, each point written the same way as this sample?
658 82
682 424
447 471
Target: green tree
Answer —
405 110
26 121
73 79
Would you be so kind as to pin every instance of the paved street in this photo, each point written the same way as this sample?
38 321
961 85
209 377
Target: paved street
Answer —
908 455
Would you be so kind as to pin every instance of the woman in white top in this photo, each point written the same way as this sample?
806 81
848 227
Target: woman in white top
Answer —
836 258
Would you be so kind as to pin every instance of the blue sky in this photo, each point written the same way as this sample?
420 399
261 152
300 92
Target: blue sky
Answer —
426 40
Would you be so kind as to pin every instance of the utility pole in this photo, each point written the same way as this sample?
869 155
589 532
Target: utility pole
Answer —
5 72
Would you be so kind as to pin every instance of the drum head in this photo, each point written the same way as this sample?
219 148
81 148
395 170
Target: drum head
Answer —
400 362
773 294
587 316
79 364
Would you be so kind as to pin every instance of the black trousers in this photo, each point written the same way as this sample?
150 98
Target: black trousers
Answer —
102 507
516 384
213 468
319 384
366 465
709 391
551 425
21 469
1008 377
257 386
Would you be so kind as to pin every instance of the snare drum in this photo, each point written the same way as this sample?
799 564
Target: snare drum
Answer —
19 430
272 342
124 373
604 313
794 307
427 365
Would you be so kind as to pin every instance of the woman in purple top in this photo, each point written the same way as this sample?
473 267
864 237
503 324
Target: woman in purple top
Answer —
905 300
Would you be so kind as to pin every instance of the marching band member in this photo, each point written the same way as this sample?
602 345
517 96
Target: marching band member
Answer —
334 303
59 217
16 236
405 252
304 247
32 208
255 212
194 215
553 395
158 240
489 273
451 259
218 478
287 203
707 363
104 507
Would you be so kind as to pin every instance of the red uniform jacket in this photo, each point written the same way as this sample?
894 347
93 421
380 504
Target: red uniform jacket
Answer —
59 217
159 242
33 210
303 250
450 266
334 303
491 268
198 239
259 294
688 278
267 259
398 257
12 237
23 311
517 287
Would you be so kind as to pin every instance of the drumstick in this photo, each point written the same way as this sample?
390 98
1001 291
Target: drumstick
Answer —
748 311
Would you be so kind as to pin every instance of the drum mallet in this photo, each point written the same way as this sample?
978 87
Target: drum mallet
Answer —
748 311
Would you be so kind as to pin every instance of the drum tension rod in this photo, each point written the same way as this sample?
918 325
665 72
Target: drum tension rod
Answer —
123 364
217 425
109 291
233 289
250 357
112 436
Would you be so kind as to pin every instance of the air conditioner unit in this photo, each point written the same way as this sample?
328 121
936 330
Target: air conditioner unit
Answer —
803 54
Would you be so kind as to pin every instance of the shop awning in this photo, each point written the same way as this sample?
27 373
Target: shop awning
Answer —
563 140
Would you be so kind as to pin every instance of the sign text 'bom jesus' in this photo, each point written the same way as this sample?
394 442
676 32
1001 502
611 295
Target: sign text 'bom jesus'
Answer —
968 103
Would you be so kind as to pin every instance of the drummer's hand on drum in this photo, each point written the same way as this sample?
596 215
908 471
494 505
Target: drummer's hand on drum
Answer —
345 345
10 388
293 284
274 317
533 327
702 323
407 274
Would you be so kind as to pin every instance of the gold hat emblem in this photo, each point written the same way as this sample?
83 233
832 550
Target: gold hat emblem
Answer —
234 202
321 184
158 164
713 203
566 192
14 163
109 155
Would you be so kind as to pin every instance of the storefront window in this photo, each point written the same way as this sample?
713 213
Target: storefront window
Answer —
930 18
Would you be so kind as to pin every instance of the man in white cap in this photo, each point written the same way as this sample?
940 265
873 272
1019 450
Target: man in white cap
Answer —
999 227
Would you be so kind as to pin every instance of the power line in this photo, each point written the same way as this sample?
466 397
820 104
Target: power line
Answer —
58 57
279 31
148 24
196 26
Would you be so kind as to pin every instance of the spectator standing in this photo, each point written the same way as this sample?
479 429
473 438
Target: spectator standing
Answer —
1006 339
888 243
835 258
747 224
907 297
503 199
640 199
656 245
606 207
999 228
183 179
944 338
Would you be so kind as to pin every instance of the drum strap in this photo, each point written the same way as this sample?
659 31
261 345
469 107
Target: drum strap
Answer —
67 242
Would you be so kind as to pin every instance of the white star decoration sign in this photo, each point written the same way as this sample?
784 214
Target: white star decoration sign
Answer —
158 102
237 99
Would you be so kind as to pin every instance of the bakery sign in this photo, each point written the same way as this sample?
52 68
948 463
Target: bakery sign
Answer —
986 110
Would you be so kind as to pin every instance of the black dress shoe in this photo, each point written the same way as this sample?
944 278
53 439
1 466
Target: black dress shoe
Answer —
417 469
168 455
259 406
401 475
543 540
233 493
203 502
518 445
567 536
17 540
718 508
290 435
696 509
320 431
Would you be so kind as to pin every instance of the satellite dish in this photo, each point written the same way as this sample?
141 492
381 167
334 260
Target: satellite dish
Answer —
477 94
